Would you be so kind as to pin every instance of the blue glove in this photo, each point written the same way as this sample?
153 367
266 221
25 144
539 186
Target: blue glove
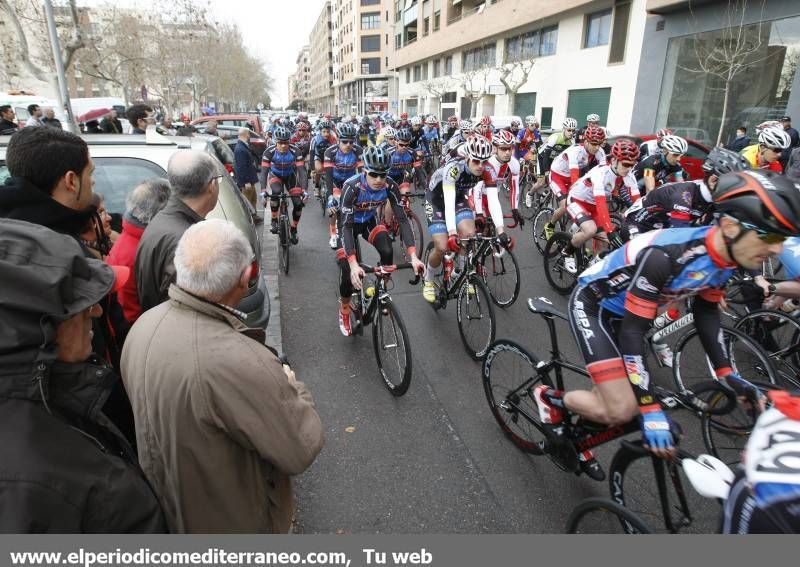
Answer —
656 431
742 387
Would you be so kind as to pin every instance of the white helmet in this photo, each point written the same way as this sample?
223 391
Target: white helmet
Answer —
569 123
389 132
530 120
674 144
430 120
593 118
416 121
465 126
478 148
774 138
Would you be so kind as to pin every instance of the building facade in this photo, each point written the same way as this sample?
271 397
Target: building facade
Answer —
320 97
449 56
360 41
675 88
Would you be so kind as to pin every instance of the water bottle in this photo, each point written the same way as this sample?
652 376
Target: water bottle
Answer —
448 266
666 318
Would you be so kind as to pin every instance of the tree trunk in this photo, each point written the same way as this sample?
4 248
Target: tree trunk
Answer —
473 107
511 96
724 110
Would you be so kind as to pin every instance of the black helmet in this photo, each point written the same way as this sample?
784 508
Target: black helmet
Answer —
346 131
763 198
366 121
721 161
404 135
281 134
376 159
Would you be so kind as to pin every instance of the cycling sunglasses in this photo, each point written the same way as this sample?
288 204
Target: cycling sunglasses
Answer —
402 145
763 235
346 142
377 174
478 161
776 150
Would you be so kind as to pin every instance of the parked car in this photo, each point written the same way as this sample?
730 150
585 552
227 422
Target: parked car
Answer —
692 162
252 121
230 135
123 161
499 121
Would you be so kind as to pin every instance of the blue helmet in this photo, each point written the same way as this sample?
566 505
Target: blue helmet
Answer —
376 160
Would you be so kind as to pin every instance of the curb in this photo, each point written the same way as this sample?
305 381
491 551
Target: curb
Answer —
269 264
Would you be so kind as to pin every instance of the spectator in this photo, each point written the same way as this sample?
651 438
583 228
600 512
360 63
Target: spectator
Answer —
792 169
187 131
226 424
51 120
166 127
92 127
35 118
7 124
140 116
741 141
65 468
245 171
794 136
143 203
194 178
97 235
211 128
110 124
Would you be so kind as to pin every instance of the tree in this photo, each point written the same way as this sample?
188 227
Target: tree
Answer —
438 87
513 75
729 52
475 84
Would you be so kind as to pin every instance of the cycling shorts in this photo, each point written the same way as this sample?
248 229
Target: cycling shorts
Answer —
580 211
436 219
559 185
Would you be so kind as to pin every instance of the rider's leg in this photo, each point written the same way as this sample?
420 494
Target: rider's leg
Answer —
275 189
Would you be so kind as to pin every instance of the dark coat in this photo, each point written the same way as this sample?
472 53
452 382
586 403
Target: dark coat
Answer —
243 167
738 144
53 123
109 126
7 127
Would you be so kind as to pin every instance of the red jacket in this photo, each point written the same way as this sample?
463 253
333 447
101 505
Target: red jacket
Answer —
123 253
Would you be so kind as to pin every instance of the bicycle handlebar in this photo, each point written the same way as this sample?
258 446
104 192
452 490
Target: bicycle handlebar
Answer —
379 269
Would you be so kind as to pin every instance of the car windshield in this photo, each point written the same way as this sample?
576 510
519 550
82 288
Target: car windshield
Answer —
115 177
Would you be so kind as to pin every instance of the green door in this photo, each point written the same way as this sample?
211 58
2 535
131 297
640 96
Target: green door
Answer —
524 104
588 101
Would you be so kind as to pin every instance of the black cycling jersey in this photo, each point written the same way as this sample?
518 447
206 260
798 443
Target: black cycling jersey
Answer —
674 205
658 167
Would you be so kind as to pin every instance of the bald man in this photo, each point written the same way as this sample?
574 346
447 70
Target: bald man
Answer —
194 178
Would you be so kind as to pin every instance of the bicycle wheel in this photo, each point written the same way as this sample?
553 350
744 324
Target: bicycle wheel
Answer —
475 314
525 211
323 197
604 516
438 273
392 348
633 480
416 228
501 276
778 333
284 244
542 217
559 278
509 377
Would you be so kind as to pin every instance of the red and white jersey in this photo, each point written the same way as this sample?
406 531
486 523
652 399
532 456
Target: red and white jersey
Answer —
600 184
575 159
508 173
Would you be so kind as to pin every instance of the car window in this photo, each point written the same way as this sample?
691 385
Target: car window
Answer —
115 177
4 174
696 152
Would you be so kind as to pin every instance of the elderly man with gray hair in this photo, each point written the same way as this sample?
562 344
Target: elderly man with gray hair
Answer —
221 424
146 199
194 177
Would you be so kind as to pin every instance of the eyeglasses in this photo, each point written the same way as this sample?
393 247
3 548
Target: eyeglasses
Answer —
377 174
347 142
627 164
215 178
764 235
477 161
776 150
403 145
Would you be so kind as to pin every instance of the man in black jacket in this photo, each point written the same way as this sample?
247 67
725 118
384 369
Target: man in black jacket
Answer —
65 467
7 124
140 116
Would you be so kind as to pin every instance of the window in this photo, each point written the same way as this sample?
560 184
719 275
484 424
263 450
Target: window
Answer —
424 73
370 43
426 25
478 58
408 74
398 41
619 32
386 42
437 18
371 21
115 177
598 26
417 73
547 117
371 66
449 97
532 44
448 65
437 68
370 2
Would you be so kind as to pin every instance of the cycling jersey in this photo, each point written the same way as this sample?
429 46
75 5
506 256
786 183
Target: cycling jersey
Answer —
448 133
341 166
753 155
672 205
447 195
366 134
430 133
497 173
402 164
594 189
282 164
648 148
576 161
303 144
658 167
319 144
555 144
527 140
418 141
790 258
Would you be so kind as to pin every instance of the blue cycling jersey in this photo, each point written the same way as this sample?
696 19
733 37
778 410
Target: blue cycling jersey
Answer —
282 164
400 164
790 258
342 165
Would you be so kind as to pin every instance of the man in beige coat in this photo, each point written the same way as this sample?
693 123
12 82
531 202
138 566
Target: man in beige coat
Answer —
220 423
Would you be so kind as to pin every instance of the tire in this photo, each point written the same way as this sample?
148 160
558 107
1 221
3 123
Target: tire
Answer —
323 202
557 276
526 212
778 334
633 485
419 235
501 276
604 516
475 314
509 377
392 348
284 243
537 228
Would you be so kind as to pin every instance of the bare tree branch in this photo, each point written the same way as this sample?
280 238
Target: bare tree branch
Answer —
24 52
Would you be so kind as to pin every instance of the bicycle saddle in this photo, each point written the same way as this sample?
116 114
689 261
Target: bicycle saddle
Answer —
543 306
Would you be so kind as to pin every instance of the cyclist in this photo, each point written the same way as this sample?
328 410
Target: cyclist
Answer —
447 205
615 300
790 287
514 127
587 202
455 143
452 128
765 494
319 144
555 144
568 167
651 147
484 130
342 162
503 168
591 120
656 169
402 122
366 132
405 163
387 138
766 153
431 134
419 143
528 140
286 169
362 195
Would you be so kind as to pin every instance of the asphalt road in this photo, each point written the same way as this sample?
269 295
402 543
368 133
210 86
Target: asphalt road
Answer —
434 460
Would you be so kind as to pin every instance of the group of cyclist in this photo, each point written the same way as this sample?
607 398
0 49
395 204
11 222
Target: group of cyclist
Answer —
692 234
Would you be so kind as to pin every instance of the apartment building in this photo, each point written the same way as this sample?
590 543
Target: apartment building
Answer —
320 97
292 89
582 56
360 41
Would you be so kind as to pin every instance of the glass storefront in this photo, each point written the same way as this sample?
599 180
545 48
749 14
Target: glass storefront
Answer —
691 103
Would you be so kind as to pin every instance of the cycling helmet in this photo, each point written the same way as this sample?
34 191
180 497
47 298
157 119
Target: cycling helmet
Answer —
662 133
594 135
593 118
674 144
416 121
404 135
281 134
389 132
763 198
285 122
482 129
625 150
486 120
465 126
366 121
503 138
303 126
774 138
530 120
515 124
721 161
376 159
478 148
569 123
346 131
768 124
326 125
404 116
430 120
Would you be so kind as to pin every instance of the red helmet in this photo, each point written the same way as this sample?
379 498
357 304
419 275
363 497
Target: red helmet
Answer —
486 120
625 150
663 132
482 129
503 138
404 116
595 135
